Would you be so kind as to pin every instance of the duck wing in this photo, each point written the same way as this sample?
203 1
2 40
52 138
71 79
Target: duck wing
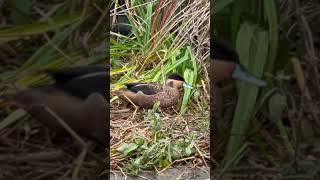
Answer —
85 85
145 88
81 81
66 74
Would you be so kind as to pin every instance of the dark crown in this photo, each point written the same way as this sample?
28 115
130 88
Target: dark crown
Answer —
176 76
221 51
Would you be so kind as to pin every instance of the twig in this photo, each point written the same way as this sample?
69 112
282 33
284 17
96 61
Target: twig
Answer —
120 111
201 155
25 157
42 176
79 163
77 137
65 126
125 176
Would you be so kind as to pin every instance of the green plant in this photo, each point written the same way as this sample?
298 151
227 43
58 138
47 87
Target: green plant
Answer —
166 37
160 152
50 40
157 48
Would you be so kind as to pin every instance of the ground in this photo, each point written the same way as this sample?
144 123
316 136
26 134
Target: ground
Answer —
125 126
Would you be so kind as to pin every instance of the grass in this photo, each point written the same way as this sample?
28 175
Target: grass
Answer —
247 94
162 42
265 128
280 122
35 36
161 151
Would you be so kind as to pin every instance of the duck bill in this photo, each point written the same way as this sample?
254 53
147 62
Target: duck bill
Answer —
241 74
187 85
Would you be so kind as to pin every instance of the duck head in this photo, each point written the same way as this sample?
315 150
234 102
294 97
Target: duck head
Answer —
225 62
176 81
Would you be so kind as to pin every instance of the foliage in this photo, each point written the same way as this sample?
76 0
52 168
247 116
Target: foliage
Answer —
265 33
161 151
152 51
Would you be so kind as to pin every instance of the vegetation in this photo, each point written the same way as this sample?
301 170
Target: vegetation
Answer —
161 151
166 37
275 40
270 132
36 35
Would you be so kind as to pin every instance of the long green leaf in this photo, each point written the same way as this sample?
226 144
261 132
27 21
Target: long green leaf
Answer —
254 58
22 31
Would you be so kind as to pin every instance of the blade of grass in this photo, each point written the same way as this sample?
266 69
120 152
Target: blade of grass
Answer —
247 93
22 31
12 118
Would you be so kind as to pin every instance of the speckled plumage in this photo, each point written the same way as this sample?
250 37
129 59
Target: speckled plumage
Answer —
167 97
147 94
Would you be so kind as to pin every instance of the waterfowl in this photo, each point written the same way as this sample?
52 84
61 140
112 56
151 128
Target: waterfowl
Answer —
147 94
226 65
78 97
81 81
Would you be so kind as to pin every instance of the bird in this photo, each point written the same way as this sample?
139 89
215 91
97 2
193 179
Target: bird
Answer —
226 66
81 81
78 97
146 95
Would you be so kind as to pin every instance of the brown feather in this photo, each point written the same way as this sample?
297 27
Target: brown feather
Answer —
169 96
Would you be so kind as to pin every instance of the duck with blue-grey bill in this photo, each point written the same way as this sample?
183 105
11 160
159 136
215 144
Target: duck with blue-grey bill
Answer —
226 66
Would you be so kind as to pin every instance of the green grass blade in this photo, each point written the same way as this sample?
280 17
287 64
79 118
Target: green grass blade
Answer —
22 31
272 17
12 118
219 5
256 58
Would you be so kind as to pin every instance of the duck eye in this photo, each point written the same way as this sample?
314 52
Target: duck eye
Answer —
170 84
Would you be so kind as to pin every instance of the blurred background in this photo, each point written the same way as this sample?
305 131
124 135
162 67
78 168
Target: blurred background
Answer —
271 132
37 35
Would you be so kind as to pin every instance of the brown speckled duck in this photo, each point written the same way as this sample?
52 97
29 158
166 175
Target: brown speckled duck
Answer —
147 94
79 97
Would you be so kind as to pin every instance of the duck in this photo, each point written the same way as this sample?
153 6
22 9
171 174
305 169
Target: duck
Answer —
146 95
81 81
226 66
78 96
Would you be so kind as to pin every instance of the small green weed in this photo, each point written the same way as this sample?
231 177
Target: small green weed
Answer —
160 152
